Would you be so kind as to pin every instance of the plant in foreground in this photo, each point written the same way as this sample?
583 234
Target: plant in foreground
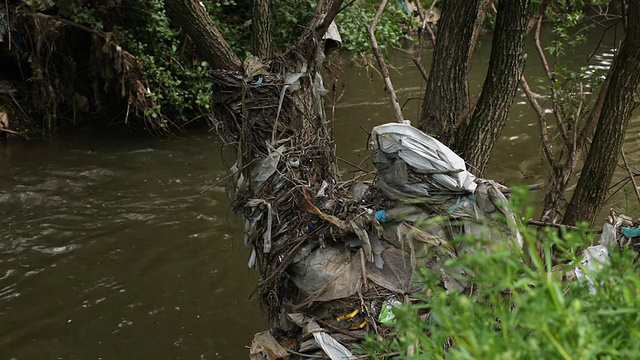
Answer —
516 310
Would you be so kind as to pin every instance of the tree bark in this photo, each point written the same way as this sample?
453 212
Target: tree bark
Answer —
210 43
446 98
603 155
262 28
476 142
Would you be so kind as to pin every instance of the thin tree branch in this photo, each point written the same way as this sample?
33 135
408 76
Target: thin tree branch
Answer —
383 67
546 142
425 24
423 71
417 58
552 81
537 17
560 226
633 179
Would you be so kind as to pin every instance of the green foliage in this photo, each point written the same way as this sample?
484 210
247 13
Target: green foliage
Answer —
175 79
353 23
520 311
178 83
233 19
566 30
87 16
290 19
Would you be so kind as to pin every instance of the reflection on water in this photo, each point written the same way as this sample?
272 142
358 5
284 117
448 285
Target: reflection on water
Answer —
108 250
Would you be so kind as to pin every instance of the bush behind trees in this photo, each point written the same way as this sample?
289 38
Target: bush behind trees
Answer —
176 78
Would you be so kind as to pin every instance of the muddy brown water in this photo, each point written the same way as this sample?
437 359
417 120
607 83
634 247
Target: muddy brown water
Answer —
109 251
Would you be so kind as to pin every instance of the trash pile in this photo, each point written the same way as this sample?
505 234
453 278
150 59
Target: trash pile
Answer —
617 232
356 252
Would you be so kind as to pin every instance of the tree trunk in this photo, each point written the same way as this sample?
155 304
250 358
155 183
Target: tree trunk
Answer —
603 156
284 142
446 98
475 143
193 17
262 28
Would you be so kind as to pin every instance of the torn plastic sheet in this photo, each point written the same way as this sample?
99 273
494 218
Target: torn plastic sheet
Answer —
333 34
424 153
252 259
328 274
331 347
266 167
252 221
364 240
265 347
593 260
291 83
396 273
387 316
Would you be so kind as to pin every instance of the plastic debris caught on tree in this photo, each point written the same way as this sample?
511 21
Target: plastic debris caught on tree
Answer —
358 248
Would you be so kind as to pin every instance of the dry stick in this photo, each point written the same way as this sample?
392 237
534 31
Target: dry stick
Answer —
309 356
383 66
226 177
364 269
417 58
341 331
633 179
358 357
538 15
354 165
552 80
546 143
23 121
6 5
14 133
560 226
537 186
428 27
423 71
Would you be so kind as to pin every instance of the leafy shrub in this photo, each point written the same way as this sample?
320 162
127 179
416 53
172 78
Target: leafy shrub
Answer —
178 83
520 311
353 23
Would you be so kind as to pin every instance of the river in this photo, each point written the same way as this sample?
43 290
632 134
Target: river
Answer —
110 250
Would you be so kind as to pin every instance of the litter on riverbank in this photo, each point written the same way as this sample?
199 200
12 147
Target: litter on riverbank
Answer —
354 255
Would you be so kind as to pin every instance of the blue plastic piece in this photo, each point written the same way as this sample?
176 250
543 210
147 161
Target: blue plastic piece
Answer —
630 232
381 216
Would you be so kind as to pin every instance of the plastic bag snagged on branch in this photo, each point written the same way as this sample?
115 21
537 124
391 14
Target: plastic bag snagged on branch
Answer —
425 155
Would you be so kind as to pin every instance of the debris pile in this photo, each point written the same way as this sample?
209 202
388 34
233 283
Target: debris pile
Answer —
619 231
343 255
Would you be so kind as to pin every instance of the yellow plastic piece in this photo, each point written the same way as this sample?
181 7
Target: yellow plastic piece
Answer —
349 316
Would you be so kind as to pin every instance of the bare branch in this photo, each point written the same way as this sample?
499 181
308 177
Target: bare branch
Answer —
537 17
423 71
546 142
383 67
552 80
417 58
560 226
633 179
